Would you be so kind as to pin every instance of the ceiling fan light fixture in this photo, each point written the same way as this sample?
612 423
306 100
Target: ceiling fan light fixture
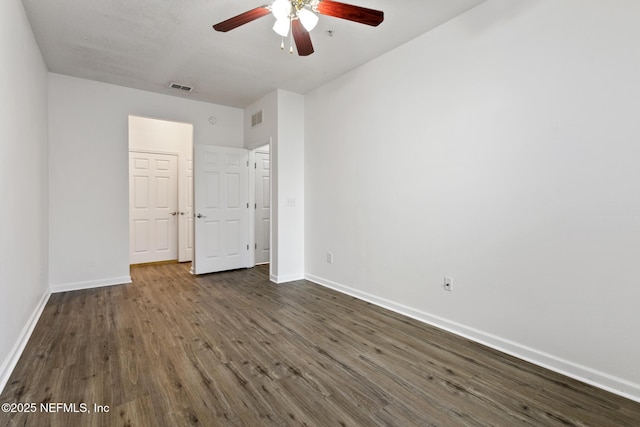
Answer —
282 26
296 18
281 9
308 19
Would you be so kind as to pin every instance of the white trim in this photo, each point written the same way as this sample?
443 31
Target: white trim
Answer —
259 145
14 355
286 278
168 153
160 119
91 284
252 212
565 367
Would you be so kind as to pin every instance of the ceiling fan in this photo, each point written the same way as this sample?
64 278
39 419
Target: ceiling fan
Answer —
299 17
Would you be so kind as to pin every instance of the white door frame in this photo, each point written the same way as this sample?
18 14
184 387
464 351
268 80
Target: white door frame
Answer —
181 145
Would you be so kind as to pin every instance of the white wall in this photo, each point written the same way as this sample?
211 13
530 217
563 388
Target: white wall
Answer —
89 171
261 134
287 183
283 126
23 184
165 136
500 149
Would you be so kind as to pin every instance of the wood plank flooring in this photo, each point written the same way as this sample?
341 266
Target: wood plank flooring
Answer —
233 349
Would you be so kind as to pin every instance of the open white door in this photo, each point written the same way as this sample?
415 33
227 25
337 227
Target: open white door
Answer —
221 184
262 207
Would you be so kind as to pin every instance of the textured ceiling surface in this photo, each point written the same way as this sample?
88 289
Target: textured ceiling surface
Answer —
146 44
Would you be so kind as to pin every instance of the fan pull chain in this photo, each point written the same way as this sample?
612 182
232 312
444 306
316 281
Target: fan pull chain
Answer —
282 44
291 45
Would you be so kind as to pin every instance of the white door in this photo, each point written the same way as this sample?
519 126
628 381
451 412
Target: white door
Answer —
262 207
185 223
221 179
153 205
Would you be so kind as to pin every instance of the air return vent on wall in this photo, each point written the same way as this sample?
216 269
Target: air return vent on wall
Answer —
256 119
180 87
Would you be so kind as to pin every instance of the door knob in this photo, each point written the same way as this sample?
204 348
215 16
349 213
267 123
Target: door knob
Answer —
200 216
174 213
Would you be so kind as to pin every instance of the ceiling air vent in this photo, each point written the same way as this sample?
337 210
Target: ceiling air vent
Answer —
180 87
256 119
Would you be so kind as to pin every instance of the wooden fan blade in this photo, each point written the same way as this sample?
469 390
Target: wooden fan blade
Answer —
350 12
302 38
243 18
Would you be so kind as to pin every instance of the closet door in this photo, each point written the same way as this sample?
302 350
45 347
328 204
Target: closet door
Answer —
153 207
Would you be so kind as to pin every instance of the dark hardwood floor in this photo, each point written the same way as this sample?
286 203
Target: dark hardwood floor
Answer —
231 348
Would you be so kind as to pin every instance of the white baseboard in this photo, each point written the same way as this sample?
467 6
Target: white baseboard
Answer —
286 278
14 355
91 284
570 369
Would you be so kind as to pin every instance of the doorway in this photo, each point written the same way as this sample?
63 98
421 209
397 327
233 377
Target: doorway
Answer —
262 205
160 190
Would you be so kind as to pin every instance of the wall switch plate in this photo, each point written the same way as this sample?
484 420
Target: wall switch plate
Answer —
448 284
330 257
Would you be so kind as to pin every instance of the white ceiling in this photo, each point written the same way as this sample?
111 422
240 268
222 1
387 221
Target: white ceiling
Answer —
146 44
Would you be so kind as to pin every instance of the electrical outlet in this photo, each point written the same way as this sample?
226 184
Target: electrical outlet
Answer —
330 257
448 284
